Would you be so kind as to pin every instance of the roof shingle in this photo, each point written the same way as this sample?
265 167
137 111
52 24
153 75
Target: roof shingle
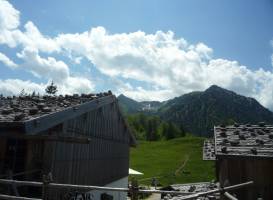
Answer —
244 140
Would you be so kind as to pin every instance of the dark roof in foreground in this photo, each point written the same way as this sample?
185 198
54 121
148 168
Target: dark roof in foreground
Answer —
244 140
34 114
23 108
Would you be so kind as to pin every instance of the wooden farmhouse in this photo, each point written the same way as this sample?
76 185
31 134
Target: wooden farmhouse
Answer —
245 153
79 139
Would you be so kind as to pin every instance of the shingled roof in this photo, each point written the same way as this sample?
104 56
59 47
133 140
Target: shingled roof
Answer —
244 140
24 108
208 150
33 114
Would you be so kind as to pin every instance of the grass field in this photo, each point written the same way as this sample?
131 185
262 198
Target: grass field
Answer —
174 161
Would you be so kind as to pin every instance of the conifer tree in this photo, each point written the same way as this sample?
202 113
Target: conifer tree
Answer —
22 93
51 89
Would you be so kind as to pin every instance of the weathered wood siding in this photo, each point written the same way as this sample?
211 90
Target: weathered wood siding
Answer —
2 155
242 170
104 160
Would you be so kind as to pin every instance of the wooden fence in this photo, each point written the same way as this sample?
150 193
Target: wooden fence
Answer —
133 189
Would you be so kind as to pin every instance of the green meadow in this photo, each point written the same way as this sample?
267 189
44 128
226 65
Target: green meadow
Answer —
171 161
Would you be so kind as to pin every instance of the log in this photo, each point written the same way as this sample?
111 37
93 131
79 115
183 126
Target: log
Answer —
68 139
8 197
87 187
229 196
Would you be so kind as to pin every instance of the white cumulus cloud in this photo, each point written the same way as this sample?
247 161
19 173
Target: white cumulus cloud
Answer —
7 61
48 68
34 39
171 64
9 22
11 87
74 85
32 42
9 16
166 66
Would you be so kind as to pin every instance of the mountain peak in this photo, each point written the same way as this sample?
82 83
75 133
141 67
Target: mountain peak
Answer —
216 90
122 96
199 112
214 87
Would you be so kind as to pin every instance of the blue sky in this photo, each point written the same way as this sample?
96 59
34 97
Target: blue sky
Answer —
237 30
145 49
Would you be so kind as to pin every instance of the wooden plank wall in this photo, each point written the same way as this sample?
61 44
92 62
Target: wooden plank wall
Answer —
3 147
242 170
2 154
104 160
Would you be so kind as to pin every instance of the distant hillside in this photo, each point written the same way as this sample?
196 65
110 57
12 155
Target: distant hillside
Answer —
200 111
130 106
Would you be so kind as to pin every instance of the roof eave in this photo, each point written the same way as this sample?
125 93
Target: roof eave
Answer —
39 124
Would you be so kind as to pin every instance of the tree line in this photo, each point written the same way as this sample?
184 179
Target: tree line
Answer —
152 128
49 90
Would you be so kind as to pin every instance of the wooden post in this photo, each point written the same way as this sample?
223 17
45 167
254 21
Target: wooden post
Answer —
44 188
134 189
14 188
46 180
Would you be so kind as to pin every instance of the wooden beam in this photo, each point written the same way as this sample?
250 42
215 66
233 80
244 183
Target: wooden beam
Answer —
229 196
8 197
46 121
22 173
88 187
58 138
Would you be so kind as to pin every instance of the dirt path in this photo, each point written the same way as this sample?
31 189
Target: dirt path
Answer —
182 166
154 197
